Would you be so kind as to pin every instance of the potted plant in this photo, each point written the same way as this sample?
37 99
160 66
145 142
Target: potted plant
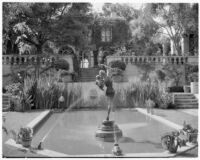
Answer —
25 135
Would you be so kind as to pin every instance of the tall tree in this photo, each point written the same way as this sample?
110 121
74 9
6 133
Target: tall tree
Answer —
173 19
120 9
142 31
36 23
77 23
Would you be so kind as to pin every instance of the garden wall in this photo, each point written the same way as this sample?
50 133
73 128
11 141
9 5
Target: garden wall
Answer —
137 72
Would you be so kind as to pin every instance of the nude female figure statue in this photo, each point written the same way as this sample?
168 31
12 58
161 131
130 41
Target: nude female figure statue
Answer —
105 79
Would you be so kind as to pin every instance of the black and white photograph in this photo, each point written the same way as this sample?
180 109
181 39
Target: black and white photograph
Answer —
100 79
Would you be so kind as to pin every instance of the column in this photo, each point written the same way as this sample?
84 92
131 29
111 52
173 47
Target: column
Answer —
172 47
185 44
164 46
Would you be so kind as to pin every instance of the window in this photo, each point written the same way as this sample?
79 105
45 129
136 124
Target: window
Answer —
89 36
106 34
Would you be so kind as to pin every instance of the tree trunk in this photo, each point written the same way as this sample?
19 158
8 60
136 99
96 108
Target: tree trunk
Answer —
177 46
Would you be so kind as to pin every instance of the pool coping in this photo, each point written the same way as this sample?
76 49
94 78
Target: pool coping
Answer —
34 124
50 153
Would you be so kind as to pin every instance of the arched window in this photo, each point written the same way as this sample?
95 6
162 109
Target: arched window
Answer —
66 51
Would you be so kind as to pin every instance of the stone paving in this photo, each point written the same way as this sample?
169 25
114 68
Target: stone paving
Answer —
15 120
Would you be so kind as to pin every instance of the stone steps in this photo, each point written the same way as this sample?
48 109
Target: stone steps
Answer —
88 74
6 102
184 106
185 100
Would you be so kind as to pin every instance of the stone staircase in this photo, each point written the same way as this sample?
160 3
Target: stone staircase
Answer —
6 102
185 100
88 74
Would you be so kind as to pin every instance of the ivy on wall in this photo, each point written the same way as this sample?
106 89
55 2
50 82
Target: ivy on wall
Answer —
119 27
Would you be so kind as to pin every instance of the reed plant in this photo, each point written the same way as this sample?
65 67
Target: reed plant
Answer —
48 91
134 94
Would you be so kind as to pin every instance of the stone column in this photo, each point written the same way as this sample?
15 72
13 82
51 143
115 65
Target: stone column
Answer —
185 44
164 46
173 49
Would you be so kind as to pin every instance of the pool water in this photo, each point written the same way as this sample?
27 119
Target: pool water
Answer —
74 133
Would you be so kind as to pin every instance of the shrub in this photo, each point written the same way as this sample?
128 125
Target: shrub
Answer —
61 64
192 68
117 64
174 73
165 100
175 89
161 75
13 88
193 77
191 72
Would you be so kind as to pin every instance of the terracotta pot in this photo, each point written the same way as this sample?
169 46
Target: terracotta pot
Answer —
26 142
193 137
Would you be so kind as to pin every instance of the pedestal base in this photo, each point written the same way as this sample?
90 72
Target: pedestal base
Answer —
108 131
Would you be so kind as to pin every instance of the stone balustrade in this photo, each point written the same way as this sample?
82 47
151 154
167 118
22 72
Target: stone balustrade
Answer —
179 60
26 59
34 59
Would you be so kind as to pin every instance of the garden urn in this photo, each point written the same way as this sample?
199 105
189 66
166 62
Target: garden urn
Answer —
26 142
26 135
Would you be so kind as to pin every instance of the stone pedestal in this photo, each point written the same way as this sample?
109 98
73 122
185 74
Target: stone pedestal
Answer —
108 131
194 87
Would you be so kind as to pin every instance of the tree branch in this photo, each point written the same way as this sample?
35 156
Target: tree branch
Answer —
63 9
163 33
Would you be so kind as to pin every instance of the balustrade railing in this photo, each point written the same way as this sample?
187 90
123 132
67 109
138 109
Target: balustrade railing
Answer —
26 59
180 60
35 59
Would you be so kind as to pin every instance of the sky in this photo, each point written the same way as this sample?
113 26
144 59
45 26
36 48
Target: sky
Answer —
97 6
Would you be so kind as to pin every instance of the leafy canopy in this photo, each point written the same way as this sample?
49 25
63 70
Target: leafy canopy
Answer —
36 23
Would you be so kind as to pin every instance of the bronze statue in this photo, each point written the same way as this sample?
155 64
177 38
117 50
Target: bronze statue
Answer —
105 79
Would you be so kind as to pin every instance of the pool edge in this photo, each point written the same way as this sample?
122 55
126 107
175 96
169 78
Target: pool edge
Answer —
35 123
54 154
